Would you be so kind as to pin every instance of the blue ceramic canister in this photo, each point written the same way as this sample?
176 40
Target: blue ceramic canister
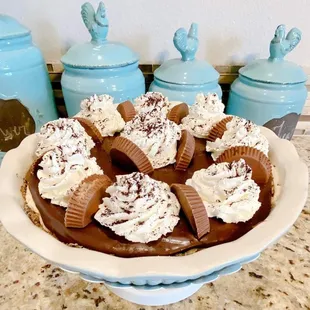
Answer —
271 92
181 79
26 97
99 66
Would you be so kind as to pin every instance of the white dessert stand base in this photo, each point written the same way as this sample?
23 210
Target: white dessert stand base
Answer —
156 297
166 294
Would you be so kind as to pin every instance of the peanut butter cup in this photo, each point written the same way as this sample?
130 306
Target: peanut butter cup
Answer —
257 160
90 129
186 151
218 129
126 110
126 153
85 201
178 112
193 208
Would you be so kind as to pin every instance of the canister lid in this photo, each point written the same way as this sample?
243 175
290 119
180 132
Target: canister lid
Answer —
186 70
11 28
99 53
275 69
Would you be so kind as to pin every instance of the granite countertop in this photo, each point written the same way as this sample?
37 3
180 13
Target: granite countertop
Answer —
279 279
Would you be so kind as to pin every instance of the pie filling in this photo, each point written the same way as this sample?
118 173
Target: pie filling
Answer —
182 238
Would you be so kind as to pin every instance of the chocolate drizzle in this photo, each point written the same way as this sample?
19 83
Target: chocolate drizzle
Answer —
99 238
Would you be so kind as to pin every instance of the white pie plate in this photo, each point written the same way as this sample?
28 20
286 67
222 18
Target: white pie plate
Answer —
123 275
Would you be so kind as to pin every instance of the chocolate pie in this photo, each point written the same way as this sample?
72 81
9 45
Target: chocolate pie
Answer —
138 214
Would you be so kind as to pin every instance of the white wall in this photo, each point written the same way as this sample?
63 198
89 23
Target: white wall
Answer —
230 31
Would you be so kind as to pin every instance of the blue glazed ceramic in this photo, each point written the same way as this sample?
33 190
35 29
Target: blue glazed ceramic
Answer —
181 79
271 92
26 98
99 66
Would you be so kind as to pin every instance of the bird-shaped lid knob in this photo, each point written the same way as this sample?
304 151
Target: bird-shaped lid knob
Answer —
275 69
281 45
187 42
99 52
96 22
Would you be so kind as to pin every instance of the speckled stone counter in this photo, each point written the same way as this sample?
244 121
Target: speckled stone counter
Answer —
279 279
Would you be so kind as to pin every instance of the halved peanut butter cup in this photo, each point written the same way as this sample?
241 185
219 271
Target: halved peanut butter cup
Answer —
193 208
257 160
178 112
218 129
186 151
126 110
90 129
85 201
126 153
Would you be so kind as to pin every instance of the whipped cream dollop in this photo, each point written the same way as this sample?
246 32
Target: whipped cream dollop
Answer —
102 112
67 133
60 175
210 102
152 102
139 208
156 136
227 191
203 114
240 132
